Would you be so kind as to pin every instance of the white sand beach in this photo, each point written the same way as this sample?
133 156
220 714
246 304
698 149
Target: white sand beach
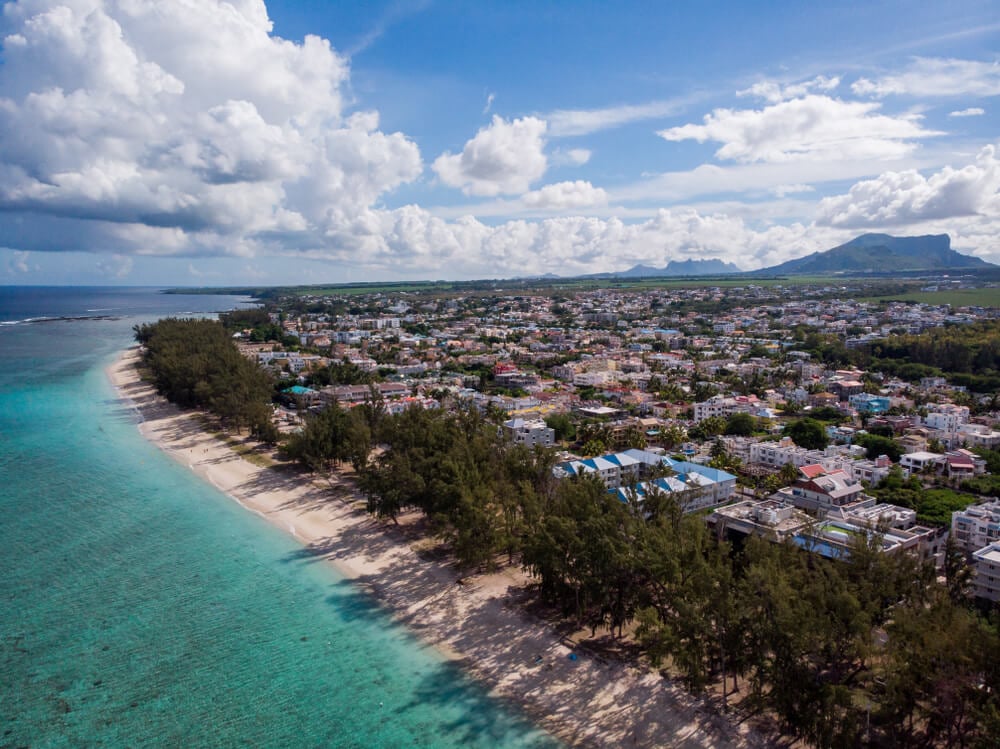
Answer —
478 621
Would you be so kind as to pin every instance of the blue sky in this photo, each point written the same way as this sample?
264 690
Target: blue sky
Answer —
201 142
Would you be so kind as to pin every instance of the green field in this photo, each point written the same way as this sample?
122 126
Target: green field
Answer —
954 297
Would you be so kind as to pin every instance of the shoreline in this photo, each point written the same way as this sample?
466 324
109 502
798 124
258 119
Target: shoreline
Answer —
475 621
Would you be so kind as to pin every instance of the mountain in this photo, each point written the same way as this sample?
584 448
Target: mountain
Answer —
682 268
881 253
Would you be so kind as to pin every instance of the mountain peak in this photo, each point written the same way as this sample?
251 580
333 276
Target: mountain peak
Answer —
882 253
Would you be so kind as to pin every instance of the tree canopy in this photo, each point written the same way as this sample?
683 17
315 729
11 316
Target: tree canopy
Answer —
807 433
195 364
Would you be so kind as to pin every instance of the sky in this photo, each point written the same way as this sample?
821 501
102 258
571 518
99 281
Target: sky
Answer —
233 142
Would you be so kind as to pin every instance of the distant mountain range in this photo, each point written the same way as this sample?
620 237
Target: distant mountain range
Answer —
682 268
881 253
866 254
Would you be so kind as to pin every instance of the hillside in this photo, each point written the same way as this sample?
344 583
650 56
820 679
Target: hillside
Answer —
882 253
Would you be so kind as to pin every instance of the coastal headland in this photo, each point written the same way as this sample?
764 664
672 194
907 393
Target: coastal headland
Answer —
474 620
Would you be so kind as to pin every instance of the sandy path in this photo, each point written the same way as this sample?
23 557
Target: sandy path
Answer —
585 702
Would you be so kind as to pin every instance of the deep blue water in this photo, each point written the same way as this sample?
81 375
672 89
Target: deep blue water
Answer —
140 607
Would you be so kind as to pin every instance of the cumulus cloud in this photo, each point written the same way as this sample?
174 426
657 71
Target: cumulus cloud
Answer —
899 198
566 245
970 112
773 92
935 76
179 128
503 157
812 127
563 195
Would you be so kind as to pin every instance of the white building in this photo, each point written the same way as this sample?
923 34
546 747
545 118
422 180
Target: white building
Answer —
719 405
920 461
976 526
594 379
947 417
986 583
778 454
978 435
529 432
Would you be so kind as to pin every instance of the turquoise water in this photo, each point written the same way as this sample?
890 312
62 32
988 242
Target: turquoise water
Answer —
140 607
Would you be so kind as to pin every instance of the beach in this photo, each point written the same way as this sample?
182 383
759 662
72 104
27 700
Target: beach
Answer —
475 620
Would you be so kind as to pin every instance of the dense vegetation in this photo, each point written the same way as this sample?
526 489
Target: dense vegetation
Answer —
194 363
933 506
870 651
968 355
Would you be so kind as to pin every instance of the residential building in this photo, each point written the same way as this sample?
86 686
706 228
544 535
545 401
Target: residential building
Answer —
947 417
529 432
986 582
920 462
867 403
630 467
820 490
779 521
976 526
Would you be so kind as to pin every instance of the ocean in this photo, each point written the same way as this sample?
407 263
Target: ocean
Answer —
140 607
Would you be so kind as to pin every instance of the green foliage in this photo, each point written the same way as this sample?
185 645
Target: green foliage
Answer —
479 492
969 355
992 458
741 424
986 486
933 506
828 414
195 364
936 505
343 372
708 428
807 433
876 444
562 424
330 437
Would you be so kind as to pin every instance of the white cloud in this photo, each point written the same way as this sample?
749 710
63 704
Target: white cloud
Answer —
570 157
503 157
733 179
423 244
489 102
783 190
567 122
773 91
813 127
563 195
18 262
970 112
113 135
116 266
935 76
902 198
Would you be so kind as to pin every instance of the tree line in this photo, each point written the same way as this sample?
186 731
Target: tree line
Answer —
195 364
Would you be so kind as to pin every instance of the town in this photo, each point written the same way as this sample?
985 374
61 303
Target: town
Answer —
705 382
751 486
